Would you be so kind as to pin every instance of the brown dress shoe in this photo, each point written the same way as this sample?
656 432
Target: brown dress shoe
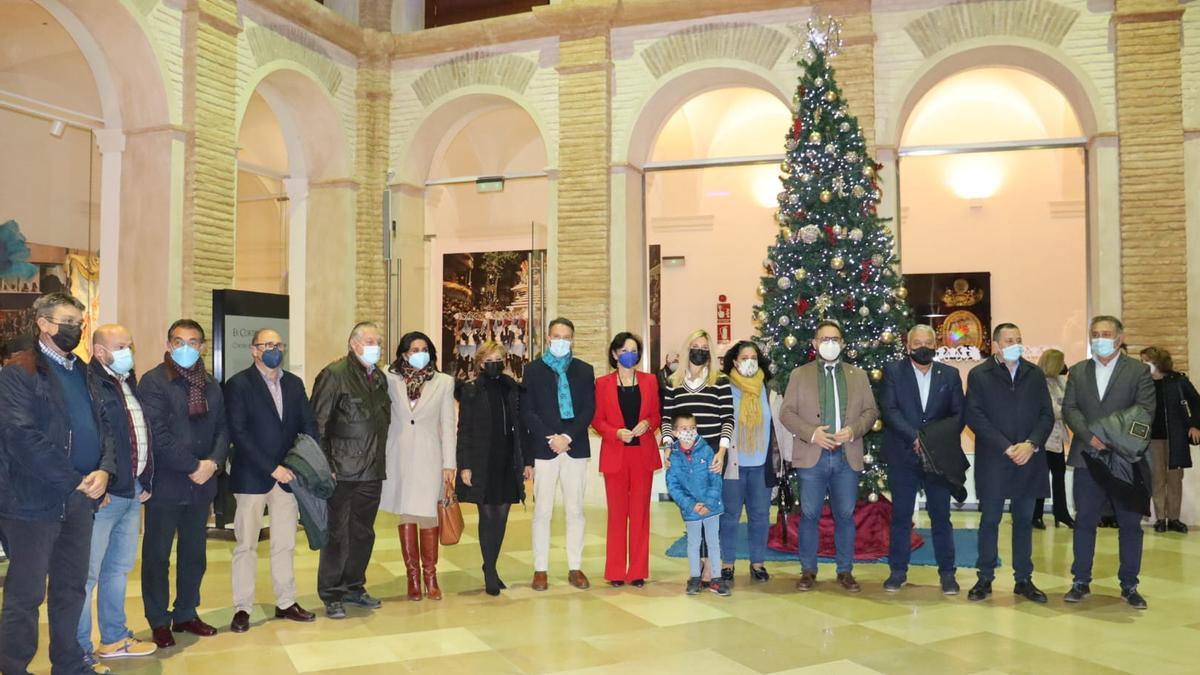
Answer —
163 637
578 579
240 623
807 581
195 627
295 613
846 579
540 583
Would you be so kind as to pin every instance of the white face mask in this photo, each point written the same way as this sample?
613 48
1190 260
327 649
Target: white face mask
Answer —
830 351
1153 368
748 368
687 437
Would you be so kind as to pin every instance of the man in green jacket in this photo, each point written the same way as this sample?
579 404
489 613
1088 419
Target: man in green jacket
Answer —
350 398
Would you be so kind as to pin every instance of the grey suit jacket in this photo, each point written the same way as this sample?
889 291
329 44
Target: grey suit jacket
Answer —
1130 385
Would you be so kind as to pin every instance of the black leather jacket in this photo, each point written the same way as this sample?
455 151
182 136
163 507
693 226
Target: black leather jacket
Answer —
353 413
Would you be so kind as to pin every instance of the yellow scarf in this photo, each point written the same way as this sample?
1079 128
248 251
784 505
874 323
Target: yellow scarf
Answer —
750 415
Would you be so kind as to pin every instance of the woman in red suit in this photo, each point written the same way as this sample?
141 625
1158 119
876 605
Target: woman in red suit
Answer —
627 413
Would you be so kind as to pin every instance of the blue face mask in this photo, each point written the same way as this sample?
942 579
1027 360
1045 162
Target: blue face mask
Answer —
1104 347
122 361
628 359
418 360
1013 352
560 348
185 356
272 358
370 355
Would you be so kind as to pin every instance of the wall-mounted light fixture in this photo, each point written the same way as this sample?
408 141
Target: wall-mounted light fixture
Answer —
57 127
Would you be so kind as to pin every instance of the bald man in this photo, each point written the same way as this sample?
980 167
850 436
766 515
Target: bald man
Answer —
119 522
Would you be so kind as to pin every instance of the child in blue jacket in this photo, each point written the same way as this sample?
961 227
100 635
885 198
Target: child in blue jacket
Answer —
697 491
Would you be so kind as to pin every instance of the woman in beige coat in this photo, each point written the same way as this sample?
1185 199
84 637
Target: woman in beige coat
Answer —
420 456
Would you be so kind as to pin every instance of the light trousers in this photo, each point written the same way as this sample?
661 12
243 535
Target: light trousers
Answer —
247 523
548 474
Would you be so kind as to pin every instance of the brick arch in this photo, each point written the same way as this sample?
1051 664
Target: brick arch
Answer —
750 43
660 104
475 69
1042 20
1031 56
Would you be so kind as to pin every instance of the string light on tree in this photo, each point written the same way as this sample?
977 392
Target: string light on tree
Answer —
841 263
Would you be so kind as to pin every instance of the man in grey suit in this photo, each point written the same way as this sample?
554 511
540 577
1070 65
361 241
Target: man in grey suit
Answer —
1108 382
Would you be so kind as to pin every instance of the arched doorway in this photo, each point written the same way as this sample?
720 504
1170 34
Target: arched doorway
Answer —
294 203
993 191
710 188
472 221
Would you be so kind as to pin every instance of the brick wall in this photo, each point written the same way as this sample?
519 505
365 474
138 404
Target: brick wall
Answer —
374 103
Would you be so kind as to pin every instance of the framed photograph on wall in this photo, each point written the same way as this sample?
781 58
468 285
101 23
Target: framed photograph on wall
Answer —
957 305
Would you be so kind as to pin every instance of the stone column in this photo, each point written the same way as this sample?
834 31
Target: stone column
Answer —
211 28
374 96
111 143
1153 212
855 64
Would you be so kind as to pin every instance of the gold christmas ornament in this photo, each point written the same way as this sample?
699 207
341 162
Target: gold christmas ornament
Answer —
902 292
877 375
844 127
814 137
852 354
801 274
823 303
784 320
837 263
852 156
856 235
873 497
837 230
830 149
786 232
868 459
826 196
864 311
886 336
885 308
878 425
781 217
869 170
785 170
784 283
805 177
859 191
830 96
820 82
790 342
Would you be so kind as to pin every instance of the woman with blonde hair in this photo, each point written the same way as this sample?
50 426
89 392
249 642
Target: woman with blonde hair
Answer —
1053 364
701 390
492 466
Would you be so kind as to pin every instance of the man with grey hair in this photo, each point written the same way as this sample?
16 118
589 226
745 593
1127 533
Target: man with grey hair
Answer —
353 410
1109 382
56 468
917 392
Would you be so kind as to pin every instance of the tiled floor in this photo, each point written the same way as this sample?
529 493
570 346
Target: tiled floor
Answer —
761 629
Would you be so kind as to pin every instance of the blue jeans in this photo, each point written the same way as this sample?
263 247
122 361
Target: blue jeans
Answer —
992 511
710 528
114 549
749 490
831 474
905 480
1090 497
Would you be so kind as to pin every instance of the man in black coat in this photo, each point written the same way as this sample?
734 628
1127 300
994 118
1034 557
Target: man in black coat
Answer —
56 465
185 409
917 391
1096 388
1008 407
267 409
557 407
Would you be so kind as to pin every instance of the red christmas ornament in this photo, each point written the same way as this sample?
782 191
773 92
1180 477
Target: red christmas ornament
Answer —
830 235
802 306
797 128
849 304
865 276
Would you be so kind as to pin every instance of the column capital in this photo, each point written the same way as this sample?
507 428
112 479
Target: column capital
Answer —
110 141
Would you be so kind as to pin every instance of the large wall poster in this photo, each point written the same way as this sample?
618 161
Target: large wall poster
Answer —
957 305
487 296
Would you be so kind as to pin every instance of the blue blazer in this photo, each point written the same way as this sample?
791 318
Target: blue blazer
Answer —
900 407
260 439
539 407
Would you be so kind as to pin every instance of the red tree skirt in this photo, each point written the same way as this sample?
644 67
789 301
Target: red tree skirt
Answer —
873 522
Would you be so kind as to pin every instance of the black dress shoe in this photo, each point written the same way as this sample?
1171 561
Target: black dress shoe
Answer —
1160 525
950 585
163 637
1068 521
1134 598
195 627
727 575
895 582
980 591
1077 593
1039 524
616 584
638 583
295 613
1027 590
240 623
759 574
1177 526
1108 521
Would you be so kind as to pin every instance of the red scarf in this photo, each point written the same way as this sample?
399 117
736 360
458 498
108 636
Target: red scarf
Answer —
197 381
415 380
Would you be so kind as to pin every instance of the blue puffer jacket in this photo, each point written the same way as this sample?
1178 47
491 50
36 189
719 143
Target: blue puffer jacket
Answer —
691 481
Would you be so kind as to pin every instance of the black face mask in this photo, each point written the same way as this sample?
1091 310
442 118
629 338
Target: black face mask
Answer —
923 355
698 357
493 369
67 338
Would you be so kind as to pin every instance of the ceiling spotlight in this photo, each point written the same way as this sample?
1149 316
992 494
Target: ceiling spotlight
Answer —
57 127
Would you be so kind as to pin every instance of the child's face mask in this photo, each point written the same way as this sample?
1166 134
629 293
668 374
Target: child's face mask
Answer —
687 437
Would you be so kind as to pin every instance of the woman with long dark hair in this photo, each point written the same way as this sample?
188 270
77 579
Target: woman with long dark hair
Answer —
420 456
752 464
492 465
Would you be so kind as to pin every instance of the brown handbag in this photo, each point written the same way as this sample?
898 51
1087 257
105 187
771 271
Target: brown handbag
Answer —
450 518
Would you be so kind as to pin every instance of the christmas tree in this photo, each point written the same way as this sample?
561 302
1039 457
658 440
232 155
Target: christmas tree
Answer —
833 256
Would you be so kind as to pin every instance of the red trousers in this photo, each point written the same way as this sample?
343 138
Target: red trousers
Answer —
628 493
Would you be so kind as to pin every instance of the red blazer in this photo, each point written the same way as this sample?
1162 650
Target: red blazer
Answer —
608 420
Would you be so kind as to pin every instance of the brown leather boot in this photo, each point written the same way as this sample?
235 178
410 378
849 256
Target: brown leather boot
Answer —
429 558
410 549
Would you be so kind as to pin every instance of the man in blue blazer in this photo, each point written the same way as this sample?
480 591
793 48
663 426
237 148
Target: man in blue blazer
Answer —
268 407
1008 407
917 391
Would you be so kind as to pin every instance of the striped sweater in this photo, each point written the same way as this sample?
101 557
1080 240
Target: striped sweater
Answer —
712 405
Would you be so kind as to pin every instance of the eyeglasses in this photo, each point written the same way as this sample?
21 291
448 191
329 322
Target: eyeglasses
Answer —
830 339
194 344
74 324
268 346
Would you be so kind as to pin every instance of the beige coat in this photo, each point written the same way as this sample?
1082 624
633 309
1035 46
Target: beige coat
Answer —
421 442
801 414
